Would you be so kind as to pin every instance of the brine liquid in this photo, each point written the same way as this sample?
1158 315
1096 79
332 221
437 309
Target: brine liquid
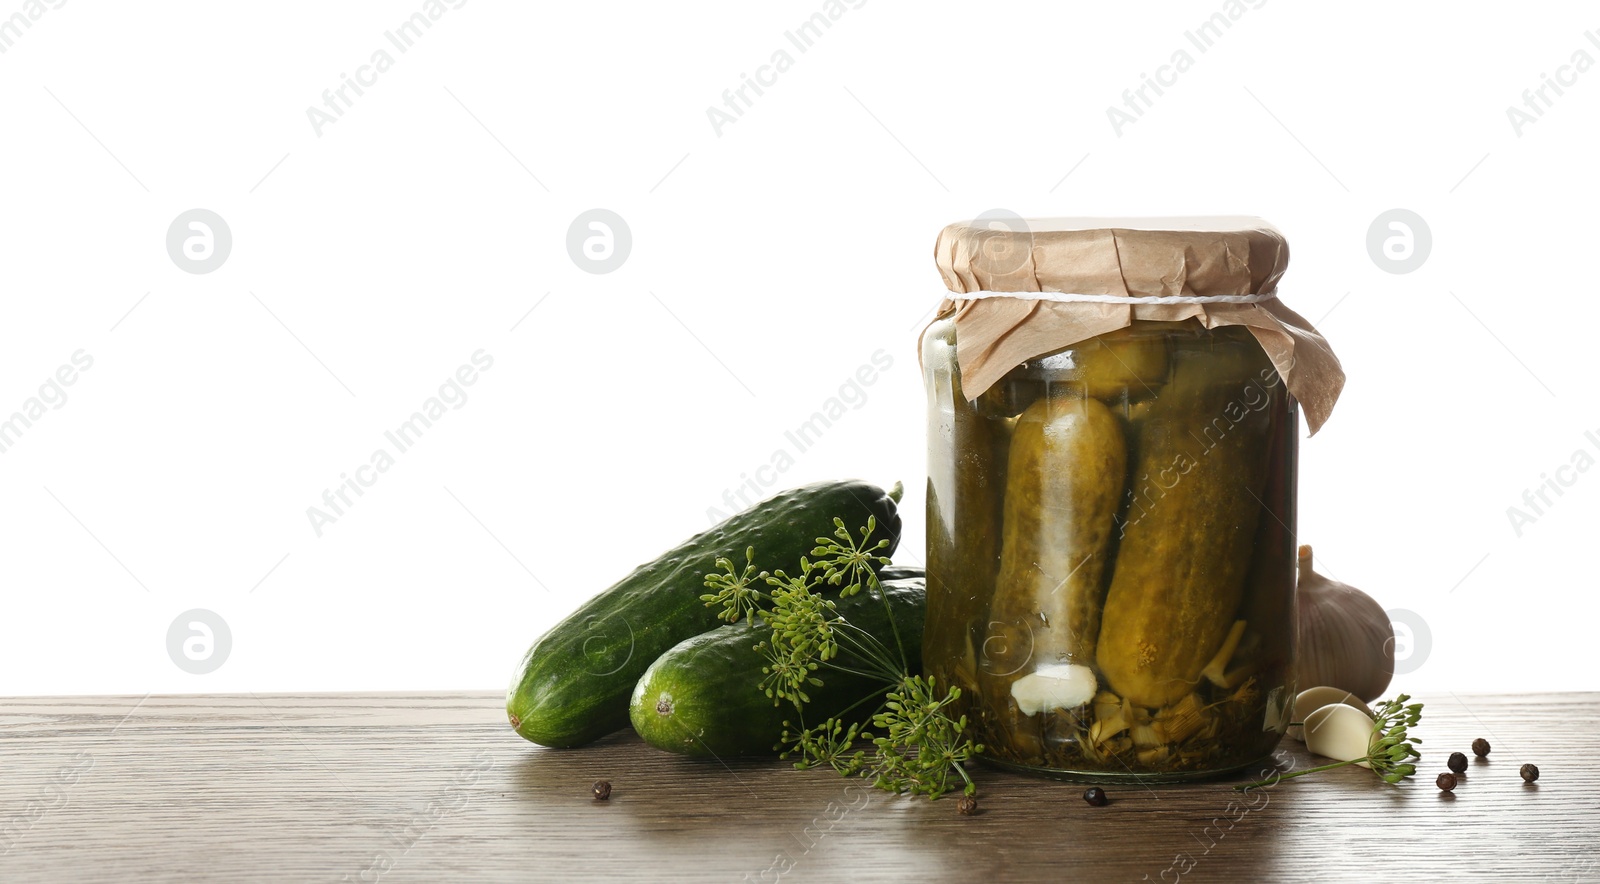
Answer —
1187 655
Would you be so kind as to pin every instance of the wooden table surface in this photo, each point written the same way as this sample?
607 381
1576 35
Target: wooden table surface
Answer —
436 787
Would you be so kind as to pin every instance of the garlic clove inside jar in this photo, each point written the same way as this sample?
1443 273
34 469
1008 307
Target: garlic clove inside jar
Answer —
1054 686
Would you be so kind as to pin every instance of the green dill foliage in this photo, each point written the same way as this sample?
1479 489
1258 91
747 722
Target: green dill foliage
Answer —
1393 753
923 743
738 592
1393 757
923 749
829 744
847 562
802 638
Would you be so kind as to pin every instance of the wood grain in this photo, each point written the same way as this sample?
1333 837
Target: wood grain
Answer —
436 787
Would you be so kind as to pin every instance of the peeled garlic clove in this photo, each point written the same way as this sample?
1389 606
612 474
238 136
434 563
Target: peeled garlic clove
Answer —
1345 638
1312 699
1054 686
1340 732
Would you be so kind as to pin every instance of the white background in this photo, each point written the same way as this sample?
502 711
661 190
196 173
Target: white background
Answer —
769 262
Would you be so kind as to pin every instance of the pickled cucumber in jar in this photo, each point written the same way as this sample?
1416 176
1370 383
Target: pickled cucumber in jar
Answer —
1064 481
1185 546
963 511
1125 365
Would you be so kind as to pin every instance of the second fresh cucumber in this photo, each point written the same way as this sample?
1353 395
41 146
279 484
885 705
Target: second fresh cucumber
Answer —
703 697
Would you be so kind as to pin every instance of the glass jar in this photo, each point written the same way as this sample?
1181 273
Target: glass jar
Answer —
1111 551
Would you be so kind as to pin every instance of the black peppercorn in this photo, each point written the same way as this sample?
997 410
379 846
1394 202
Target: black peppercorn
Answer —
1530 772
1480 747
1096 796
1458 762
1446 781
967 806
602 790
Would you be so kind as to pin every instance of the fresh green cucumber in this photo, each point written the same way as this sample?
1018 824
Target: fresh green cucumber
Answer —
574 683
703 697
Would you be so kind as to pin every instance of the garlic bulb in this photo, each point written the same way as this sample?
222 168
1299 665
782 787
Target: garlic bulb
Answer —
1345 641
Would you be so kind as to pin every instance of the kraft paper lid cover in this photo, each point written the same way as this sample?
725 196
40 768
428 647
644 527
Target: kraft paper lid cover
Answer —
1126 258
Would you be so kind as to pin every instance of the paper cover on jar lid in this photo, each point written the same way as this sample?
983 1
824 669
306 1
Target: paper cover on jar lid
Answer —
1120 258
